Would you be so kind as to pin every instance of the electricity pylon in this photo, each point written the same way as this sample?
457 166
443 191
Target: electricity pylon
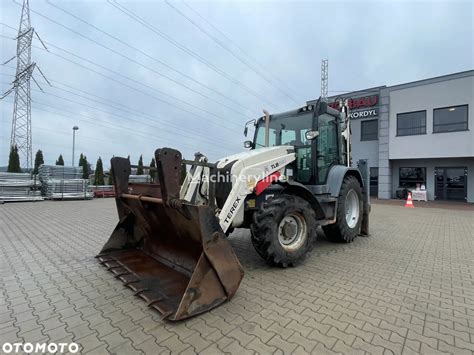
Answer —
21 122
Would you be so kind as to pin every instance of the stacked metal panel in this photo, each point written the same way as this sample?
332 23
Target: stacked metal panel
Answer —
139 178
19 187
63 182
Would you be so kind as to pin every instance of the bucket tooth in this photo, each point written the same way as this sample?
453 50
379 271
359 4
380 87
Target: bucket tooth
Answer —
152 302
128 282
121 274
109 268
104 261
165 315
140 291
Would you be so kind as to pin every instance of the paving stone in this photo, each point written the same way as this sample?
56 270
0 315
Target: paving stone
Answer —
113 339
198 343
260 347
11 336
103 328
341 347
307 344
242 337
32 336
101 350
327 341
235 348
212 350
89 343
362 345
407 289
151 347
124 349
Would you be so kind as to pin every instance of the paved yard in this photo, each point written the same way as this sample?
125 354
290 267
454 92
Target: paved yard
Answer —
407 289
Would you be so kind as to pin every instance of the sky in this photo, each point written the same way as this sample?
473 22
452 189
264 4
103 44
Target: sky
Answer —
135 76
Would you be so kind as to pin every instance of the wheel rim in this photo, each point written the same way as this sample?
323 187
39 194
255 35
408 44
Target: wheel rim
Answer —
292 231
352 209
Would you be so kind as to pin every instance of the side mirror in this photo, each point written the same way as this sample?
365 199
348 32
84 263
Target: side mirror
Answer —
310 135
246 131
248 144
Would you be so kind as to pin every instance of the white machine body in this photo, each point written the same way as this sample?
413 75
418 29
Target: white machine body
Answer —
248 169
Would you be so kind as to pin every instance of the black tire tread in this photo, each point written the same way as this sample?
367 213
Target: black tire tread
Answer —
264 230
340 232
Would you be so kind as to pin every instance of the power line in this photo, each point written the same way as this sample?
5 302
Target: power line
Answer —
123 117
126 110
229 50
61 133
281 82
108 48
96 122
134 88
188 51
137 63
64 133
135 112
210 143
154 59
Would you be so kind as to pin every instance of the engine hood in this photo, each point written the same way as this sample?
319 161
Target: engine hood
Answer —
253 156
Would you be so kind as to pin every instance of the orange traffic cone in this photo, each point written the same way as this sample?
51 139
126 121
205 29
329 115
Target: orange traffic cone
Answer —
409 203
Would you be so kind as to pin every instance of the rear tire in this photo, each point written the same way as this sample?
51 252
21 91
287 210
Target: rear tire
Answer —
283 230
349 213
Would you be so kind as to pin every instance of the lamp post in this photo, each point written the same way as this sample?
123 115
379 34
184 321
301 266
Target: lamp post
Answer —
74 129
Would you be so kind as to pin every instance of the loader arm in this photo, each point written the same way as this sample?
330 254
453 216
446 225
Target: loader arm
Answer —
247 174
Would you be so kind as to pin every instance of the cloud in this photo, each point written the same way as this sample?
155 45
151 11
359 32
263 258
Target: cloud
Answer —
367 43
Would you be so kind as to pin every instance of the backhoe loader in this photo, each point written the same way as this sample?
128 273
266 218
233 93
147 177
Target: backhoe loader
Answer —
170 245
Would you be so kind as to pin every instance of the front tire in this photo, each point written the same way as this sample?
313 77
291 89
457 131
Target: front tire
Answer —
349 213
283 230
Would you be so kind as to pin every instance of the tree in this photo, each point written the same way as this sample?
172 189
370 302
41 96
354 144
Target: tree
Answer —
60 160
85 166
99 173
140 166
14 160
81 159
152 172
111 180
38 161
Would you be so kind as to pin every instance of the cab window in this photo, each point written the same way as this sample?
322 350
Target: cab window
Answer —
285 130
260 142
288 137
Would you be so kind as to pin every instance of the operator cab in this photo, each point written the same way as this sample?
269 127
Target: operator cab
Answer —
313 131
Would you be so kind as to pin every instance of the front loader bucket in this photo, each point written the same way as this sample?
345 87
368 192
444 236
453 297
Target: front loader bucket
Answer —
173 254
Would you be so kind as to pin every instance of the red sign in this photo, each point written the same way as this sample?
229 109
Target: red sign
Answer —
360 102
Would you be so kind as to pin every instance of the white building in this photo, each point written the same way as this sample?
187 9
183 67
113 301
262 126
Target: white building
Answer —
417 133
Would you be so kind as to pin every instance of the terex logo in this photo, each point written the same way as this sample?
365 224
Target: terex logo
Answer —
275 165
232 210
359 102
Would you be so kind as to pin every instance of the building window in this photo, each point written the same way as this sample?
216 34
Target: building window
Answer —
369 130
411 123
410 177
450 119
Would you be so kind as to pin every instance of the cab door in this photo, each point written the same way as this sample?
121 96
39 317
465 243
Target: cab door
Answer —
326 147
